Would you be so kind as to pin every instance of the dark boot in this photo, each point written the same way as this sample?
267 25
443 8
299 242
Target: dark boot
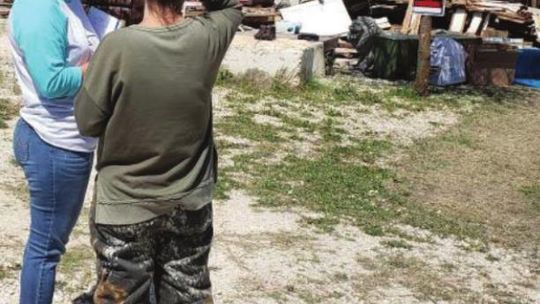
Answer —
272 32
260 34
269 33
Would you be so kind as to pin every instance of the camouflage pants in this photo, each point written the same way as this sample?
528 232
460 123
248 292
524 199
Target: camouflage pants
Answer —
162 261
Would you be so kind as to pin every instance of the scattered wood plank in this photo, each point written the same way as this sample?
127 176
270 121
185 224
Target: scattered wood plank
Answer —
346 52
408 18
476 23
259 14
259 11
415 24
459 18
486 23
493 33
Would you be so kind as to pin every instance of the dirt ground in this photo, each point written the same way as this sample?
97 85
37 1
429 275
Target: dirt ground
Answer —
263 255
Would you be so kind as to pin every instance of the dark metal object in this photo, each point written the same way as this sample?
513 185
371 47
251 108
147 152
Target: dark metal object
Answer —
266 32
131 11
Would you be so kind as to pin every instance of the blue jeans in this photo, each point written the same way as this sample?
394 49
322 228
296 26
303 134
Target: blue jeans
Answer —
57 182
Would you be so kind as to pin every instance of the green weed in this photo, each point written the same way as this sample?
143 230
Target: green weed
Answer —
532 194
7 111
76 259
330 186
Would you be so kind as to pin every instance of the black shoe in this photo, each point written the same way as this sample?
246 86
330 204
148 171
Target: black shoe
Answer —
260 34
269 33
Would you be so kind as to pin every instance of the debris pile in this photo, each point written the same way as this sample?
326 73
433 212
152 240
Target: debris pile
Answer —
494 19
378 38
473 17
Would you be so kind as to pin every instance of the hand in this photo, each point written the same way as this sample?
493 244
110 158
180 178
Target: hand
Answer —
84 68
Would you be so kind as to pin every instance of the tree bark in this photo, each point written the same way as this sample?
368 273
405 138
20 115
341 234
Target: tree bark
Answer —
424 50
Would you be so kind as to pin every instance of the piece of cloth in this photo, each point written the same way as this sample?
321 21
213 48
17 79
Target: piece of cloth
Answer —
528 68
148 96
362 35
164 260
49 40
447 60
57 182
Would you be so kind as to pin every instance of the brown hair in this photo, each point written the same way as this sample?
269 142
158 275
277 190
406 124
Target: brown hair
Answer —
174 6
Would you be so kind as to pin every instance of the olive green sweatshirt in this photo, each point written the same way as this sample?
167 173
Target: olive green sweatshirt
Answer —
148 97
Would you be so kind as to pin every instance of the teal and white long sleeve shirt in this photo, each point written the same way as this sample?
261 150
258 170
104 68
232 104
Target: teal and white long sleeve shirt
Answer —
50 39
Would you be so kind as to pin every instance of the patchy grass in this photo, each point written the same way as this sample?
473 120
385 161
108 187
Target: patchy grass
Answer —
243 125
224 185
330 186
8 271
18 188
411 273
341 176
254 86
16 89
76 259
532 194
424 281
7 111
476 173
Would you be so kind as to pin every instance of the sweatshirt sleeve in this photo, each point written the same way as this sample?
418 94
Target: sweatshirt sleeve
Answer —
40 30
224 16
95 102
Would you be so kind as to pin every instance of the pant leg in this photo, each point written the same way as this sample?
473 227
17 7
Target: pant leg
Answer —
126 265
57 182
182 275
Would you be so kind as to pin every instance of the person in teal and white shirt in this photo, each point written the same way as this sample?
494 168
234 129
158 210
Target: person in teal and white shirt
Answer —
52 42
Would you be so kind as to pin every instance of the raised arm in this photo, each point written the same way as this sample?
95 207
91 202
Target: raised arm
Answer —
40 31
224 16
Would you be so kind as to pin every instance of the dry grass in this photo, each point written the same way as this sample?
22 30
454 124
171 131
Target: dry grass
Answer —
478 172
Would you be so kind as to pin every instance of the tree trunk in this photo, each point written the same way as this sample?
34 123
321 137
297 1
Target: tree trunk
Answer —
424 48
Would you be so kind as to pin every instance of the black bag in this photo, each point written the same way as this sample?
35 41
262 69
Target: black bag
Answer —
362 35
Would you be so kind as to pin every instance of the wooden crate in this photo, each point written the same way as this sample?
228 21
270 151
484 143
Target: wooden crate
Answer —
493 65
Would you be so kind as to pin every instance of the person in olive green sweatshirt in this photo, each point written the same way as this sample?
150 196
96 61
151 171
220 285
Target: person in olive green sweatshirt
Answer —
147 96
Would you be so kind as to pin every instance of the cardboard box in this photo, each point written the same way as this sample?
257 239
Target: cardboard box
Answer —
493 65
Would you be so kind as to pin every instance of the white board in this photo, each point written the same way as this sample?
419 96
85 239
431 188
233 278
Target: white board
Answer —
458 21
328 19
476 22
